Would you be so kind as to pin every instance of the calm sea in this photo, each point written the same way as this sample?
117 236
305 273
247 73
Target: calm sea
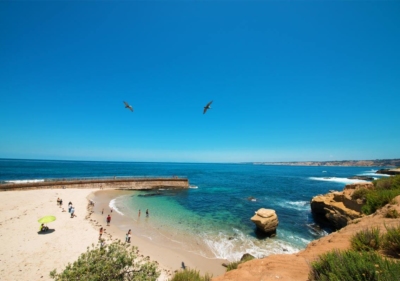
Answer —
215 212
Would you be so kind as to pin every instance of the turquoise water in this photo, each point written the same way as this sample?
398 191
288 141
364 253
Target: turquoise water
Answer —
215 213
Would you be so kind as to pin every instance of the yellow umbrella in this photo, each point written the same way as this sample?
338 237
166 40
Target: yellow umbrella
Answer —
47 219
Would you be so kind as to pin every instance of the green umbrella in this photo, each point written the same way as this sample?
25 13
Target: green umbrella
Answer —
47 219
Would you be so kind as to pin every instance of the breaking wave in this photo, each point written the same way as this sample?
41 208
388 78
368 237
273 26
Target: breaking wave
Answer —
335 179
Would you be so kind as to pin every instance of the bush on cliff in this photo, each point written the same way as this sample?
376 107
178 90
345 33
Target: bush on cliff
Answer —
391 241
385 189
351 265
116 261
366 240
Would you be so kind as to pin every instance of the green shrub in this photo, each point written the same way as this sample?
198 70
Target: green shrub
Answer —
366 240
116 261
376 199
392 214
359 193
190 275
233 265
392 182
391 240
385 190
354 266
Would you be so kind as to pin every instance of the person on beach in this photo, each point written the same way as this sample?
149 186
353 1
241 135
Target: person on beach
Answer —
108 219
101 233
147 213
102 211
58 201
73 212
139 213
128 237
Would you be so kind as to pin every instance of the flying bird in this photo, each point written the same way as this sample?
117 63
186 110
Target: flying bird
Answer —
207 107
127 105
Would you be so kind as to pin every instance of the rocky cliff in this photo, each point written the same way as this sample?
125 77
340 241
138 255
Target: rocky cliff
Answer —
295 267
336 209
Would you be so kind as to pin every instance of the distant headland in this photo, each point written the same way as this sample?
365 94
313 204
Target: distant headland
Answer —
345 163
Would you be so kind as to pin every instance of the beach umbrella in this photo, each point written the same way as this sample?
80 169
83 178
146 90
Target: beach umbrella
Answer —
47 219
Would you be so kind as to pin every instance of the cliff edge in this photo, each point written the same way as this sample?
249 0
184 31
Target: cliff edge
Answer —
296 267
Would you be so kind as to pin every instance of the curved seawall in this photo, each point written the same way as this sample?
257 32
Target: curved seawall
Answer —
125 183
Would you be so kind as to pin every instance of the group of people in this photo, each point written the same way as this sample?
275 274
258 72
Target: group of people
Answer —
147 213
108 220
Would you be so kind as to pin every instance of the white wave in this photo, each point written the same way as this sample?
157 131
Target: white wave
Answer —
324 171
233 248
296 205
193 186
335 179
373 174
113 206
25 181
315 230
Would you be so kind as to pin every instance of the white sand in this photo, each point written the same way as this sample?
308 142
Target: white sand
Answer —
27 255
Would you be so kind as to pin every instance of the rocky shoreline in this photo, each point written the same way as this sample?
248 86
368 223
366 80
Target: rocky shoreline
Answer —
336 209
344 163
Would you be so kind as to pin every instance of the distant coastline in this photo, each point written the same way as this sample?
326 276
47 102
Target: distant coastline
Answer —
344 163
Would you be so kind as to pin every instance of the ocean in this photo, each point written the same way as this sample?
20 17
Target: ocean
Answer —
212 217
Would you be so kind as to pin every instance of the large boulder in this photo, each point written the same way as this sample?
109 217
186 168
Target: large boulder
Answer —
266 220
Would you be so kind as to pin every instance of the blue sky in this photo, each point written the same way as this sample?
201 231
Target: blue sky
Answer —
290 80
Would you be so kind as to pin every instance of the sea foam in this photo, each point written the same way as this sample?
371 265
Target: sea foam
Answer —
25 181
113 206
335 179
232 248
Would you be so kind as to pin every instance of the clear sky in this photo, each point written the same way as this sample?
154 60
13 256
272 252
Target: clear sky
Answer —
289 80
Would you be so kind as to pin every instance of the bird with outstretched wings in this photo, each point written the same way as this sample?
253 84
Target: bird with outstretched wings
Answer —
207 107
127 105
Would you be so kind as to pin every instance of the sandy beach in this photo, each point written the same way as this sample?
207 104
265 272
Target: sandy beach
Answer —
28 255
169 258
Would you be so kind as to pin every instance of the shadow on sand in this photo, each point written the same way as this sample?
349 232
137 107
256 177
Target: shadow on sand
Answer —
46 232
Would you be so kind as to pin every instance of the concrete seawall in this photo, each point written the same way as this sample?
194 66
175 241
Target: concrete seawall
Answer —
126 183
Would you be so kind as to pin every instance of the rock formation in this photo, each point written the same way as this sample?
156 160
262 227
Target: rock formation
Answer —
338 208
266 220
391 172
295 267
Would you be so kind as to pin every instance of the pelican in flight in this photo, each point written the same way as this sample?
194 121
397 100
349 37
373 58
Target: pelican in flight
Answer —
207 107
127 105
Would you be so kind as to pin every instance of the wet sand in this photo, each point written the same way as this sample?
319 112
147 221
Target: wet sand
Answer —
168 255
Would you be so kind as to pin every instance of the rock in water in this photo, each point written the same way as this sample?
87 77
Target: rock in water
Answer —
266 220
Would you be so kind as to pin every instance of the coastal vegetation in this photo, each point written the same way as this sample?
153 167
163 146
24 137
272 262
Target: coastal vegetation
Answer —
115 261
352 265
234 265
372 257
190 275
366 240
385 189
